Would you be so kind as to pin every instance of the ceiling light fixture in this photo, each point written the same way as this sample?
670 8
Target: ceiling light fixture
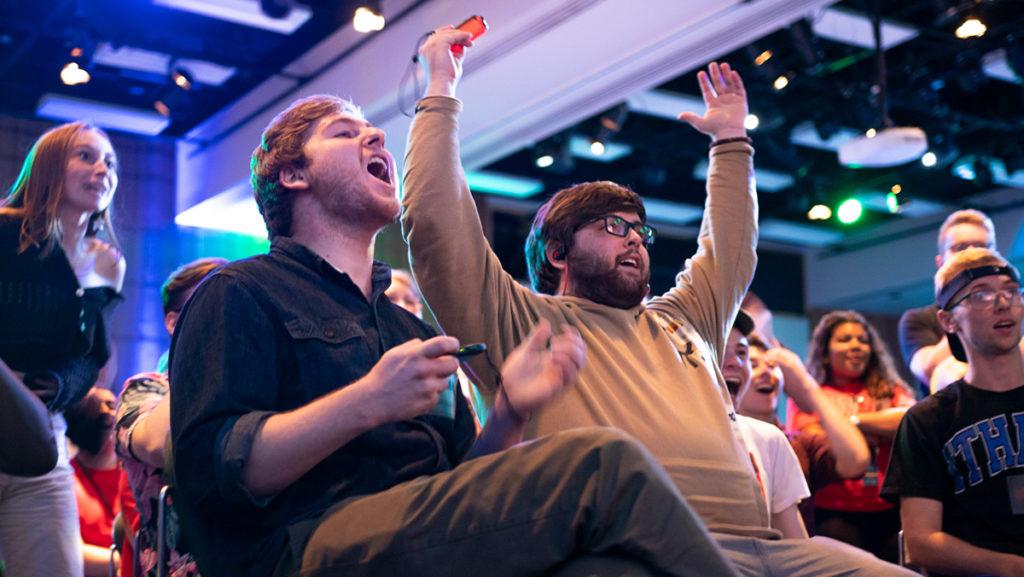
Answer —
751 121
368 18
819 212
72 74
889 145
181 78
781 82
971 28
850 211
892 202
162 108
929 159
763 57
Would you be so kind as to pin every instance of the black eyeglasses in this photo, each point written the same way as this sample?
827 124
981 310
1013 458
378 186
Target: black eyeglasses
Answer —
986 298
618 226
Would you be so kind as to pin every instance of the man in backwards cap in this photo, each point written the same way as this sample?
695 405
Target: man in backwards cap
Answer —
958 458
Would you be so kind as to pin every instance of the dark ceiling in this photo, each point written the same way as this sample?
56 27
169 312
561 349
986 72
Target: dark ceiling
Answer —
36 39
934 81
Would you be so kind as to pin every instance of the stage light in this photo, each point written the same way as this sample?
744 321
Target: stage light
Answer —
544 161
871 132
597 147
368 18
751 121
850 211
971 28
162 108
181 78
613 120
781 82
892 202
896 189
763 57
929 159
72 74
965 168
819 212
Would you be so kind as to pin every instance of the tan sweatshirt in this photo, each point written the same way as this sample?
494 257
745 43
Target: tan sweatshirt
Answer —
651 372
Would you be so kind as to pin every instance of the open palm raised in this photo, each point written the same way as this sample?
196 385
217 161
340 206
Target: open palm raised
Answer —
726 101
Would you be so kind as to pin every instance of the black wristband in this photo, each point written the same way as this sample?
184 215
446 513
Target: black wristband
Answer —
734 139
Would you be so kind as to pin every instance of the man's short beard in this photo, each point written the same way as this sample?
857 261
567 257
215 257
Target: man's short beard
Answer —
592 279
352 205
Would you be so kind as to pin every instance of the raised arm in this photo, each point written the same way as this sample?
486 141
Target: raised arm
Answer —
711 286
462 280
848 446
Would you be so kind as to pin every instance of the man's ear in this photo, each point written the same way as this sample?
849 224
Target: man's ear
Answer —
949 324
171 321
556 256
293 178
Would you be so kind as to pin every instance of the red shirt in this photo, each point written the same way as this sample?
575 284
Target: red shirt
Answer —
855 495
96 491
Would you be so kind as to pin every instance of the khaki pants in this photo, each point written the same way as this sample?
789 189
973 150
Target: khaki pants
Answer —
536 509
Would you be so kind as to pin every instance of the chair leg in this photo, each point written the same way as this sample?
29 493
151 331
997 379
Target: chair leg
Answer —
902 549
161 532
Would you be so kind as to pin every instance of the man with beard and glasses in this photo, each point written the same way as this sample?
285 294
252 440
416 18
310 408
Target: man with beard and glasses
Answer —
957 466
652 371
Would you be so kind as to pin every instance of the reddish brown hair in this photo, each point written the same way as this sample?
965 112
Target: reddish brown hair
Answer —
36 195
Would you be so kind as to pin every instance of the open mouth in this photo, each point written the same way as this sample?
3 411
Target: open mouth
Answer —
629 262
733 385
379 169
765 389
1007 324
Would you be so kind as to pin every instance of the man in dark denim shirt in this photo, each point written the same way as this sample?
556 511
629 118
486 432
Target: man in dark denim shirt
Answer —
316 427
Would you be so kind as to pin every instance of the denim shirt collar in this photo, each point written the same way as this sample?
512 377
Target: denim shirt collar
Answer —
380 278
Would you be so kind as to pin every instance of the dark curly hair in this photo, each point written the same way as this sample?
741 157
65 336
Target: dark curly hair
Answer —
558 218
880 376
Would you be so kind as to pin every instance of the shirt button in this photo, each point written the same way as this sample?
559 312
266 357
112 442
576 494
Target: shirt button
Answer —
329 333
80 292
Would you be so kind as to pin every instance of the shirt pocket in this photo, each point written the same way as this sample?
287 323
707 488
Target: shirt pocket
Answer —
330 353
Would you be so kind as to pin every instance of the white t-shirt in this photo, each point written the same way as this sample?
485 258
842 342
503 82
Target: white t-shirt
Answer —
776 465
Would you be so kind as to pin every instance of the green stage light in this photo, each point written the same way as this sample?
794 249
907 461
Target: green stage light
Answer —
892 202
850 211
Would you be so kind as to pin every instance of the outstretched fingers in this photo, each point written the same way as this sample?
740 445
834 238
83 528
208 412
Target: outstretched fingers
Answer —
706 90
718 78
733 80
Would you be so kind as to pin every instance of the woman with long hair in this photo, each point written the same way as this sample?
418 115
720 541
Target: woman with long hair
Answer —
61 273
856 372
